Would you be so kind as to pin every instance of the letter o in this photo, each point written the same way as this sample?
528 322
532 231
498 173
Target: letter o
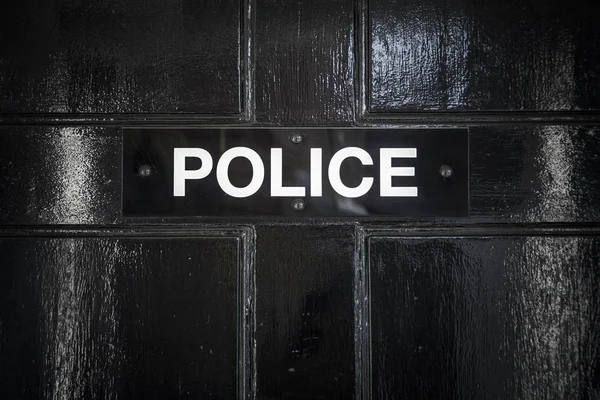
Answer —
258 172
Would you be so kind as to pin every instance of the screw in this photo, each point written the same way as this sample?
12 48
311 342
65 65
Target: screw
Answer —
296 138
144 170
298 204
445 171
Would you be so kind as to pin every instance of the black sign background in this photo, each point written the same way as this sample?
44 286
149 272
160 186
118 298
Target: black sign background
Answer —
152 195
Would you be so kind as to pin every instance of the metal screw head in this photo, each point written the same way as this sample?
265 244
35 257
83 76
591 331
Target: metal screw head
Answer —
296 138
298 204
445 171
144 170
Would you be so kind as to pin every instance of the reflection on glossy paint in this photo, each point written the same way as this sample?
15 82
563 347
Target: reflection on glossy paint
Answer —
75 303
551 310
59 175
71 176
556 158
73 173
65 316
421 65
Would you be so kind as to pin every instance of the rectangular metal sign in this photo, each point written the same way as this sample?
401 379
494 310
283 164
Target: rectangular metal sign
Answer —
296 172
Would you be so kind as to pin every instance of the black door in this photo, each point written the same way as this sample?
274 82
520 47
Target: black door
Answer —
491 294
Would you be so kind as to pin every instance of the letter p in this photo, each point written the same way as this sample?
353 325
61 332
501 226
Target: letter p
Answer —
180 174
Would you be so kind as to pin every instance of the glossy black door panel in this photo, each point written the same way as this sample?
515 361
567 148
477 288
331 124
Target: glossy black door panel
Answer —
304 312
59 175
304 63
135 318
483 317
438 55
120 56
535 173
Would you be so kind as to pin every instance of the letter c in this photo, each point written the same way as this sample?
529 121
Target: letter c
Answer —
334 172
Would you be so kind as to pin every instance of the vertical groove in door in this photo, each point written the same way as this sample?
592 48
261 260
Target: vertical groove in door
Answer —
246 316
248 64
362 326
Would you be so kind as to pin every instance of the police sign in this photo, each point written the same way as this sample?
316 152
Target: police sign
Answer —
335 172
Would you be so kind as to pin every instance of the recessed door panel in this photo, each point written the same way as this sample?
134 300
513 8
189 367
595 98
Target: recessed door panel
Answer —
483 317
304 313
466 55
120 56
136 318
